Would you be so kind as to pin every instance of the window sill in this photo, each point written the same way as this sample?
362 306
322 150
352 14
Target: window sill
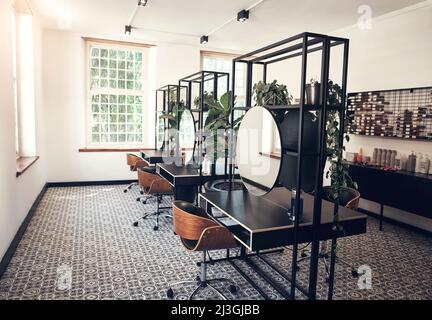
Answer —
90 150
23 163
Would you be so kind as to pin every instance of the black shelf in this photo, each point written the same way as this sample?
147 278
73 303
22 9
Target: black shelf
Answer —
302 45
202 78
395 172
307 107
164 95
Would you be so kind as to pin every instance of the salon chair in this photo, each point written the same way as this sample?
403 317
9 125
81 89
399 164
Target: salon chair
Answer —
198 233
349 198
134 162
155 187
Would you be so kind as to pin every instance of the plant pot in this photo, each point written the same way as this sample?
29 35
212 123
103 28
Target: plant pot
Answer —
313 94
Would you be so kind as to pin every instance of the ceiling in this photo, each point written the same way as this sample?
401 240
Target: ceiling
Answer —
184 21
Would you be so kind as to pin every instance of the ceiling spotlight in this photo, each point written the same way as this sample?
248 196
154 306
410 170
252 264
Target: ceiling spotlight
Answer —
128 30
142 3
243 15
204 39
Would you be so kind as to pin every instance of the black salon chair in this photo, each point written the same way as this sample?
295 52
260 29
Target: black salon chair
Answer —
348 198
198 233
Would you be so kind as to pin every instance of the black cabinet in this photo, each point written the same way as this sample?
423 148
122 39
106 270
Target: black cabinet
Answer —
402 190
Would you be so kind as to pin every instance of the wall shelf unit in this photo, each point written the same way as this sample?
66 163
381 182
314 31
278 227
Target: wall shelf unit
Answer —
302 45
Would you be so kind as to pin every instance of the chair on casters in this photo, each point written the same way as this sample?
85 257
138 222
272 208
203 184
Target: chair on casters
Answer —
198 233
134 162
156 187
349 198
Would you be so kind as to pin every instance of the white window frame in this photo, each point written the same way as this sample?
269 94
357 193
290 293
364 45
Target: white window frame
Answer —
108 44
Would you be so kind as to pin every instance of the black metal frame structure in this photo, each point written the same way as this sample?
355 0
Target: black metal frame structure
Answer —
164 94
200 79
302 45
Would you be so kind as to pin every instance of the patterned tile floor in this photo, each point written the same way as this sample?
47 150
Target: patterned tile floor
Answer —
81 245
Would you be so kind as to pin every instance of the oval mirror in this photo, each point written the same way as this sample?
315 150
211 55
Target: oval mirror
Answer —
187 135
161 134
258 151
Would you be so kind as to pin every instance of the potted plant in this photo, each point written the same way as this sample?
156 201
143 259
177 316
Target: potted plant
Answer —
338 171
272 94
173 117
209 100
218 119
313 92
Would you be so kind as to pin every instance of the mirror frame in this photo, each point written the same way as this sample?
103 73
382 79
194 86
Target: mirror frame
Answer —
276 182
195 133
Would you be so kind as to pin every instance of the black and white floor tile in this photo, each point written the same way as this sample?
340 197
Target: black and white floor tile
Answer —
81 245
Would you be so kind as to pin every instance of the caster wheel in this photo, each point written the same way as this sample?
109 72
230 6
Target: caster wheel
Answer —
125 191
144 202
142 192
138 199
354 273
136 224
156 228
232 289
170 293
304 255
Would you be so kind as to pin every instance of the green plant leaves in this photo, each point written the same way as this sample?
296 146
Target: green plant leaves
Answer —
271 94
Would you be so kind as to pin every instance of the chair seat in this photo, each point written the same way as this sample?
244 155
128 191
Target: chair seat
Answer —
190 208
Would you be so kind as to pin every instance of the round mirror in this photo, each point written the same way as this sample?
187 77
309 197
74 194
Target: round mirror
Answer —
187 135
258 154
160 131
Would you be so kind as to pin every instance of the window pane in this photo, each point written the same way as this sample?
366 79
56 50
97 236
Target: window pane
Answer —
116 117
95 52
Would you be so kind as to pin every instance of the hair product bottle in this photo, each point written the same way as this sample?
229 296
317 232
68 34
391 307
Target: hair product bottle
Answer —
388 158
378 160
393 159
419 163
424 165
411 165
374 156
404 162
384 158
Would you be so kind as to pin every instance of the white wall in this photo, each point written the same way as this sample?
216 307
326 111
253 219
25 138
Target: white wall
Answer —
395 53
65 106
16 194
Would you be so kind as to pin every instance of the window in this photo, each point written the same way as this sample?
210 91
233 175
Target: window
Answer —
116 96
222 62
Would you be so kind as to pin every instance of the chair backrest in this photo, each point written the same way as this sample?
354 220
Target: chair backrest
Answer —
132 159
190 221
349 198
146 178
